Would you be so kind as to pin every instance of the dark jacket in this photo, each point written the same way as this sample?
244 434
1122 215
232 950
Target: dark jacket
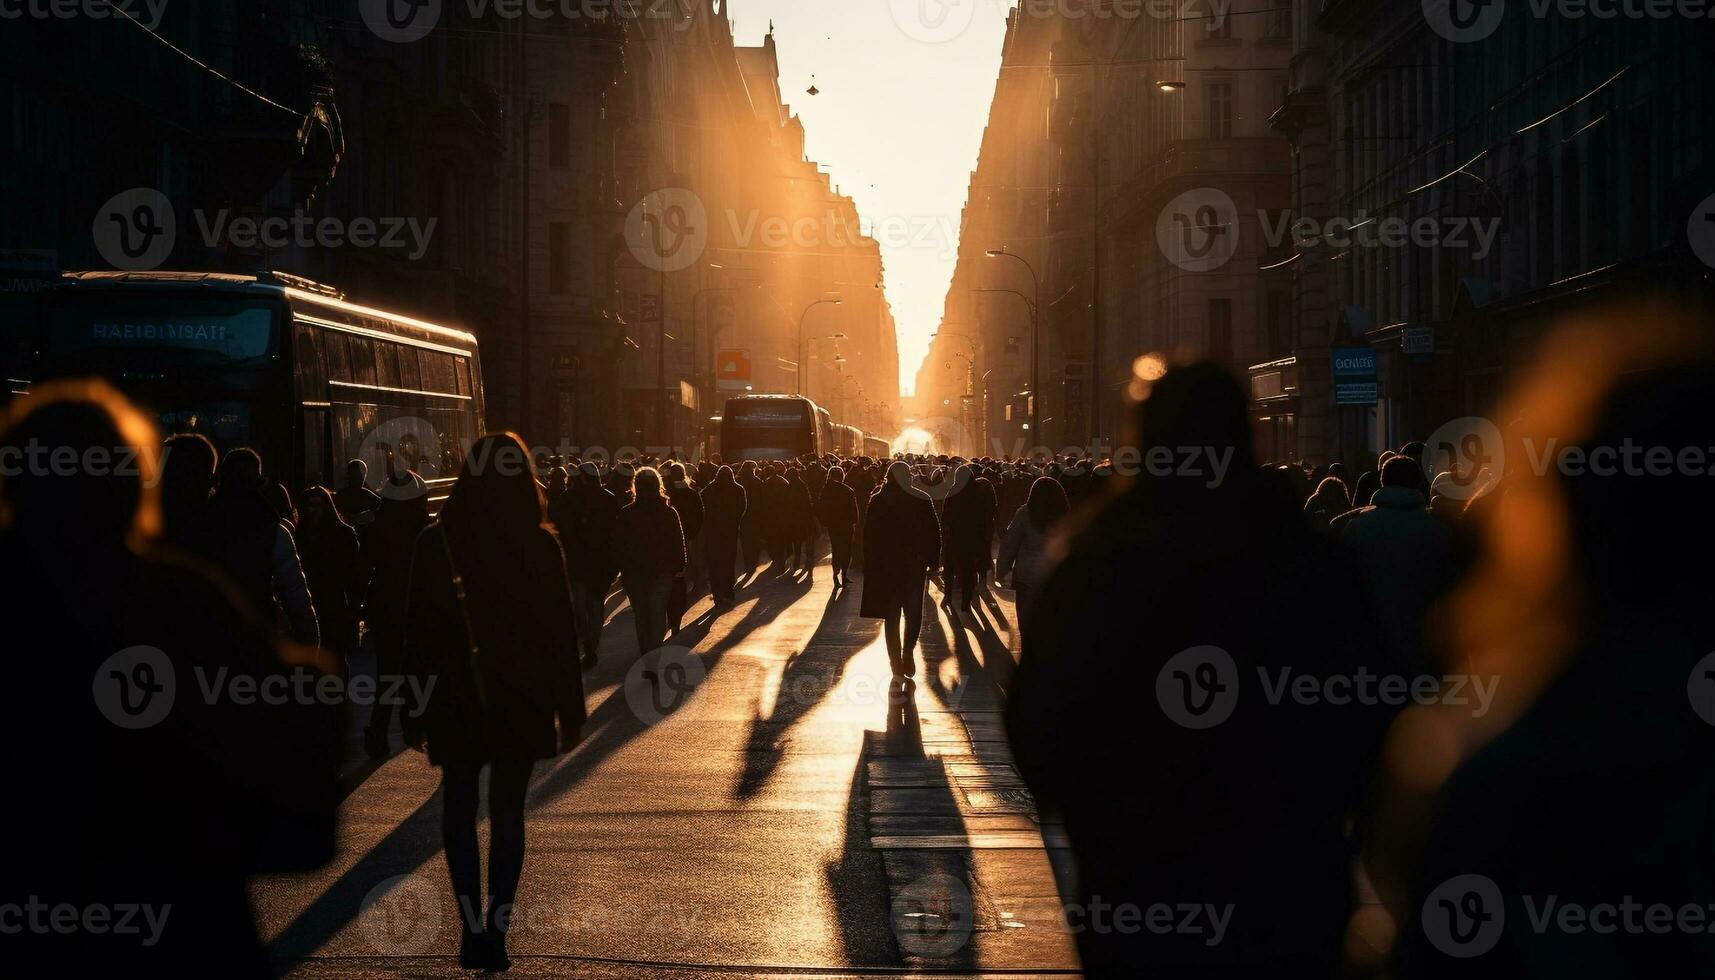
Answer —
387 556
837 510
688 504
525 674
651 542
176 813
724 506
1132 645
1406 556
801 519
967 526
901 545
585 517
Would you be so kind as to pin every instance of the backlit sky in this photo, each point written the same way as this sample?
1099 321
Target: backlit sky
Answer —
905 90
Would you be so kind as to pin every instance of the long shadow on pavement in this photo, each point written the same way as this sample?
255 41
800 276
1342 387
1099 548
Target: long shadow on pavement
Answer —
416 840
809 677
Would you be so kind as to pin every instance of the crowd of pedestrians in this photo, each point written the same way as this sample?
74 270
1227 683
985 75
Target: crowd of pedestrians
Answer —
1154 611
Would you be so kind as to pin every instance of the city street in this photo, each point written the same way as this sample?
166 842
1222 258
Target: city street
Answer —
781 820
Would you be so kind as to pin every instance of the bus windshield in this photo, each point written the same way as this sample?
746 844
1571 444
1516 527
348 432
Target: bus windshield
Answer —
162 335
197 363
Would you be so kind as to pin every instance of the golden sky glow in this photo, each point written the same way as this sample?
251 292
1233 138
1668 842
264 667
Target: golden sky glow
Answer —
904 90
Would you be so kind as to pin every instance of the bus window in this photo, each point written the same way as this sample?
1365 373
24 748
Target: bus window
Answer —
463 370
363 360
437 371
410 372
387 364
339 357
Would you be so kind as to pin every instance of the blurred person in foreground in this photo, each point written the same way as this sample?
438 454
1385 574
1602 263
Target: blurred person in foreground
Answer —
1567 832
485 624
149 794
1141 709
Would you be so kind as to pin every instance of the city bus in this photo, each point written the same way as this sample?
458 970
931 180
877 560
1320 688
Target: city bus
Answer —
765 427
277 363
876 447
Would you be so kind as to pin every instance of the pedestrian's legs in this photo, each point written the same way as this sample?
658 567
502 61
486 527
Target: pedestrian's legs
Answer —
458 838
721 574
649 611
377 737
589 604
678 596
890 636
967 577
913 627
507 785
840 545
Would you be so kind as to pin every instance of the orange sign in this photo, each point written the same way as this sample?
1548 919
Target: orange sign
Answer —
732 369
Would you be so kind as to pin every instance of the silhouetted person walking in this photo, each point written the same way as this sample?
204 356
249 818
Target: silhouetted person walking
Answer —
688 504
391 541
724 507
333 568
1024 550
967 527
485 620
257 551
1141 710
651 549
356 502
586 516
837 510
1406 557
147 796
902 545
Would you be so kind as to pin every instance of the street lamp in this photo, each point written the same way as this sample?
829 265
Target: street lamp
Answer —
1035 327
801 316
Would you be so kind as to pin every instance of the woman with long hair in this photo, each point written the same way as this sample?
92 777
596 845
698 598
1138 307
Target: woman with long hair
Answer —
651 550
485 622
1024 550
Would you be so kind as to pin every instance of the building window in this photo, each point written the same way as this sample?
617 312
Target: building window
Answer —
559 258
1220 25
559 136
1221 330
1220 111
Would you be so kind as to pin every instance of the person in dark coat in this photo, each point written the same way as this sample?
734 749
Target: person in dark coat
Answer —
1406 557
356 502
488 600
1586 790
1139 711
776 519
586 517
753 529
188 462
724 507
333 567
967 527
257 551
135 802
862 481
902 545
837 510
688 504
801 522
387 562
651 550
1328 502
